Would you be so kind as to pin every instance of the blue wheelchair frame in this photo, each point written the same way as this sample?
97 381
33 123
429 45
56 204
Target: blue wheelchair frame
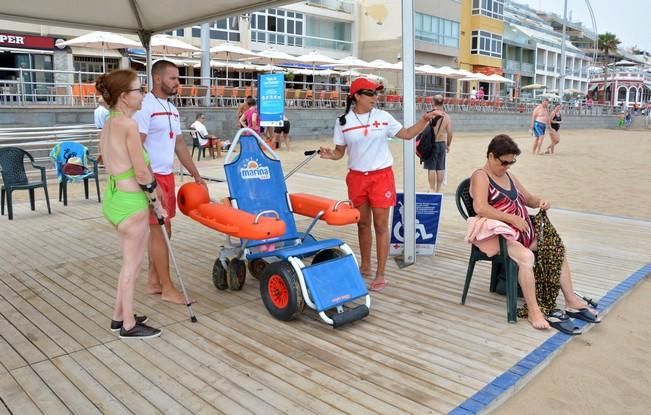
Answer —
256 185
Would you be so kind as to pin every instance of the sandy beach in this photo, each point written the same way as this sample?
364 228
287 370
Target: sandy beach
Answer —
604 371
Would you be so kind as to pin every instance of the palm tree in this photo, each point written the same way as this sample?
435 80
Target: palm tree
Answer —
607 43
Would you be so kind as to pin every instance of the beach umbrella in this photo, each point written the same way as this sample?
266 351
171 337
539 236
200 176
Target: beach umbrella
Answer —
227 51
315 58
168 45
102 40
385 66
270 56
533 86
498 78
352 62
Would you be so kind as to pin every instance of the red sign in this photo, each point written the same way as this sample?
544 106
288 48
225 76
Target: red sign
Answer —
23 41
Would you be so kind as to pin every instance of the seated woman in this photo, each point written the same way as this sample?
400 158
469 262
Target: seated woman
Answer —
499 195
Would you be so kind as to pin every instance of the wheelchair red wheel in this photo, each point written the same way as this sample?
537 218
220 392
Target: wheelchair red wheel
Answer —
281 291
236 274
219 274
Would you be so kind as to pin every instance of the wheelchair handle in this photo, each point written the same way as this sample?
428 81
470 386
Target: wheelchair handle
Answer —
310 152
265 212
348 202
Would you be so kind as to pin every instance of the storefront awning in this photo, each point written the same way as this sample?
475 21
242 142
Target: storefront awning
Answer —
108 53
22 50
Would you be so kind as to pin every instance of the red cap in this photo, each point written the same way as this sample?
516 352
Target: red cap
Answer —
363 83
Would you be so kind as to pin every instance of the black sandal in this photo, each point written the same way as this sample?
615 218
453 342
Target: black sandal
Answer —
583 314
561 322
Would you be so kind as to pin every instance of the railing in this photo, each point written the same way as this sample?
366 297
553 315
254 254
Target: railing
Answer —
273 38
38 141
336 5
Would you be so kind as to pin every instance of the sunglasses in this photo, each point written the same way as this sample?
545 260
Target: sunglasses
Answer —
142 89
367 92
506 163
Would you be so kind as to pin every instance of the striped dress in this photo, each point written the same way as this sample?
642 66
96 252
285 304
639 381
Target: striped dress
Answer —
511 202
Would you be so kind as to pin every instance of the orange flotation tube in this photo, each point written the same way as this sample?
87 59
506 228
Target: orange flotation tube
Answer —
193 201
336 213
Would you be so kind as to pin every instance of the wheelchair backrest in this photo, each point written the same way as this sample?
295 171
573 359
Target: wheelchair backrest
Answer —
61 152
256 183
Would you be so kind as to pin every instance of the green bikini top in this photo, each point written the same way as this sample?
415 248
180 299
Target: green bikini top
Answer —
131 172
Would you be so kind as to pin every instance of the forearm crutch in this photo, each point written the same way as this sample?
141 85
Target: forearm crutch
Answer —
161 222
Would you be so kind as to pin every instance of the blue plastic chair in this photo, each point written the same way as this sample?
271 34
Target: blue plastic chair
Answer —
60 154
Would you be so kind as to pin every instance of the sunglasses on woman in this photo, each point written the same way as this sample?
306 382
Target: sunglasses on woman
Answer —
506 163
367 92
142 89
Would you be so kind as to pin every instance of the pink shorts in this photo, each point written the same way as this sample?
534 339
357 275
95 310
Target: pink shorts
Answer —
166 183
377 188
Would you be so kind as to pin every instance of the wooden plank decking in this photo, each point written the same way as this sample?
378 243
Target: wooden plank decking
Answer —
418 352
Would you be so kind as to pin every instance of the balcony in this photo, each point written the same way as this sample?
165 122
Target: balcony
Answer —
336 5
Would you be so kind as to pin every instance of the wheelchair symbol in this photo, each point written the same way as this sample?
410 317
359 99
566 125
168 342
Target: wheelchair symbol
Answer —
398 229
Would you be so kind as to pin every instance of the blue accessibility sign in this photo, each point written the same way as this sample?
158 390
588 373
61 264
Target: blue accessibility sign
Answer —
428 216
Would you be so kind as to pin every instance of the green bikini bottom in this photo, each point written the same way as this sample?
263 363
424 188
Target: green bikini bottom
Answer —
119 205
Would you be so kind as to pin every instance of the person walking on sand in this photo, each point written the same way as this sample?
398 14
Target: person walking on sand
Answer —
554 132
539 123
160 128
363 133
435 165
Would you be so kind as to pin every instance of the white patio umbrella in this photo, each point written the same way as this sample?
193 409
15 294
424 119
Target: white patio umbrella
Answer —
498 78
533 86
102 40
167 45
314 58
271 55
385 66
227 51
352 62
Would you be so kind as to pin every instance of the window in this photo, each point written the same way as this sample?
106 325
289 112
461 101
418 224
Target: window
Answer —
486 43
490 8
274 25
436 30
177 32
93 64
224 29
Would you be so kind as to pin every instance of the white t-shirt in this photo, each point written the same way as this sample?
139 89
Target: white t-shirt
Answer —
101 114
370 151
203 132
160 120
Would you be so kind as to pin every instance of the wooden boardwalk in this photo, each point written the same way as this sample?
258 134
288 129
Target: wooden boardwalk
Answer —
418 352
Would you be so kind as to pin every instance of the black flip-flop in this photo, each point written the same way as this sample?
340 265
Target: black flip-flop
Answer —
583 314
561 322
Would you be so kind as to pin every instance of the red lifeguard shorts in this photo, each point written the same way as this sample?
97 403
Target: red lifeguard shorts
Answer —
377 188
166 183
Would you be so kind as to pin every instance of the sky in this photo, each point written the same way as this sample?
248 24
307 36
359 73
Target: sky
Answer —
625 18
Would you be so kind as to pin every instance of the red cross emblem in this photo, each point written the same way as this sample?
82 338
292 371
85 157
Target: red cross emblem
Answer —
376 124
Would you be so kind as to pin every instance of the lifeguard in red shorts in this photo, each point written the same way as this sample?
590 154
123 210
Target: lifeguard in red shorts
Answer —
371 186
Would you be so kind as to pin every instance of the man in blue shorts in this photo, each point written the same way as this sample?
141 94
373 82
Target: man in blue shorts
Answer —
539 122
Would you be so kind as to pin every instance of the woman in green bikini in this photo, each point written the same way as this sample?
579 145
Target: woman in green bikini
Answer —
129 194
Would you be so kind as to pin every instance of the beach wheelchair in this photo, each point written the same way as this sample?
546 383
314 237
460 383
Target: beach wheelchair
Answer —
293 267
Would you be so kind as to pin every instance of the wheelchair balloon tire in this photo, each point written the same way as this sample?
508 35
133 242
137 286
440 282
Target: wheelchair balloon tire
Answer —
280 290
219 275
256 267
236 274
